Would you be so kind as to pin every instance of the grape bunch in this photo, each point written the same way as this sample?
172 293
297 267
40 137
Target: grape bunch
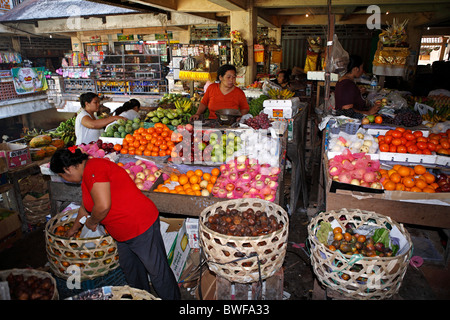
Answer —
261 121
407 117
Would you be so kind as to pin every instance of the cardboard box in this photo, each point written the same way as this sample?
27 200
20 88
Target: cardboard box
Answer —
176 243
192 232
281 108
10 227
15 154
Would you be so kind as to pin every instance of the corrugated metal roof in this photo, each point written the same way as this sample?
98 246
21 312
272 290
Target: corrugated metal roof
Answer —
33 10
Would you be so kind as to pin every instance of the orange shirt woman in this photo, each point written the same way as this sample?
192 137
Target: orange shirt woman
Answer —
223 95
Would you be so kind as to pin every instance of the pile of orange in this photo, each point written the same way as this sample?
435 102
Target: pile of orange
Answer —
153 142
193 182
403 178
403 140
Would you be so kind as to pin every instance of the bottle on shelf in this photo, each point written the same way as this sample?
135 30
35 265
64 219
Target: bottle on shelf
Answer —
374 83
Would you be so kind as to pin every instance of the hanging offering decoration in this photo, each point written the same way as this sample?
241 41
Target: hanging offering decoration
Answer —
392 51
313 53
239 49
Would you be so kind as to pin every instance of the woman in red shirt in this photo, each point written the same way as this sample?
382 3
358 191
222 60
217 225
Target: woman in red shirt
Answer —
110 197
223 95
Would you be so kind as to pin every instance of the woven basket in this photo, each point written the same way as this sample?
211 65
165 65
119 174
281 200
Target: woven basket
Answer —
355 276
244 259
114 293
95 256
26 273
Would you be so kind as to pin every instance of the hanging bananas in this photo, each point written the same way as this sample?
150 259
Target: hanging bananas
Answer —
441 114
184 104
278 94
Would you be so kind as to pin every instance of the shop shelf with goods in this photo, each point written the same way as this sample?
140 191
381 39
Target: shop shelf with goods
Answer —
133 68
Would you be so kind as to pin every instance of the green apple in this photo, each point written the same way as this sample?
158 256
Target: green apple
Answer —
371 118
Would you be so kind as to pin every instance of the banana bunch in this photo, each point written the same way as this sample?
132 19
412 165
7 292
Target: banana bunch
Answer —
66 131
280 94
437 115
184 104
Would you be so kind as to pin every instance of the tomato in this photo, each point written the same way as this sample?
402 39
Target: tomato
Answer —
409 143
392 148
421 145
384 147
389 132
431 146
403 140
412 148
396 141
378 119
401 149
388 139
396 133
380 138
418 134
426 151
421 139
409 136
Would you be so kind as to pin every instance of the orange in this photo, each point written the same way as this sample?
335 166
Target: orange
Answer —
400 187
183 179
194 179
138 152
416 189
198 173
147 153
428 189
408 182
434 185
117 147
395 177
215 172
429 178
190 173
396 167
179 188
187 186
123 151
419 169
391 172
206 176
164 189
419 183
213 179
173 177
120 164
209 187
389 185
403 171
196 187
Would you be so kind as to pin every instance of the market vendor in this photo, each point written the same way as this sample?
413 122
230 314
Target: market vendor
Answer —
348 97
223 95
111 198
283 79
87 127
129 109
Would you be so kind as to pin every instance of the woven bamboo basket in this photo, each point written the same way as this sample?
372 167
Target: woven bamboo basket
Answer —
114 293
26 273
365 277
244 259
94 256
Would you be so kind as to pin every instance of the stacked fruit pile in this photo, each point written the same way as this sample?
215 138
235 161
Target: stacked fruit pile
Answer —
414 179
155 142
403 140
193 182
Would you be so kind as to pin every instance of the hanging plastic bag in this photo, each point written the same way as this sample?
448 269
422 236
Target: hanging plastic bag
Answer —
339 58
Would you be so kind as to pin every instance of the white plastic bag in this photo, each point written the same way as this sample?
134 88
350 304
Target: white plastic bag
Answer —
339 58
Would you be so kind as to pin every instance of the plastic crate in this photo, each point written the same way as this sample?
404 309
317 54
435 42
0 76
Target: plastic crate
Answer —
115 278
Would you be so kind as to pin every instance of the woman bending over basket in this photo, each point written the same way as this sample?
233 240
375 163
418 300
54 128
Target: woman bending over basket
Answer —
110 197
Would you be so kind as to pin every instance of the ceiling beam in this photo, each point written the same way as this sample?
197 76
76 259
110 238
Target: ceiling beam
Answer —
232 5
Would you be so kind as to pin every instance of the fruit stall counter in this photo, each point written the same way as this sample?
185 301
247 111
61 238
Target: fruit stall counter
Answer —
61 194
416 208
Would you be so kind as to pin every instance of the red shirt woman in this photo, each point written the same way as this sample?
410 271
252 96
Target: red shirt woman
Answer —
110 197
131 212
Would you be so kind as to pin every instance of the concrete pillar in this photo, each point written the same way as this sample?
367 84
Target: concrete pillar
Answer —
246 23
